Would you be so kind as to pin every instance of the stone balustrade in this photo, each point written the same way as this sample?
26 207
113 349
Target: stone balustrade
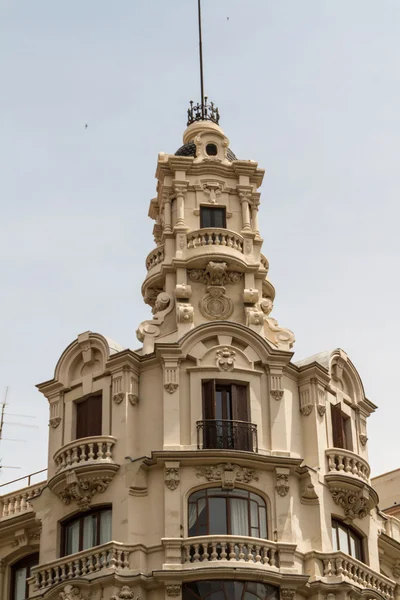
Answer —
155 257
113 556
339 564
347 463
392 527
90 450
16 503
230 548
214 237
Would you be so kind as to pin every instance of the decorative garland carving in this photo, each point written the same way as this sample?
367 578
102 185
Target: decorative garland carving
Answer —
228 474
363 438
226 359
215 305
54 423
215 273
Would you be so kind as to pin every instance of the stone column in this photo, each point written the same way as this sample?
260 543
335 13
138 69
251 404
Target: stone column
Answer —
254 218
167 213
180 188
244 200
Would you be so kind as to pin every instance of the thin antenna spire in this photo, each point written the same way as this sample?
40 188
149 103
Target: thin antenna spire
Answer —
201 60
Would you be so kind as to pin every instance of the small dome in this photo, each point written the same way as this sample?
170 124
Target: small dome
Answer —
189 149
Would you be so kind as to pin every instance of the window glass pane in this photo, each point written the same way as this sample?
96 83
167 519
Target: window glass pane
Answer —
343 540
334 538
254 514
217 516
89 532
72 537
105 527
239 514
216 492
20 583
218 404
263 522
353 550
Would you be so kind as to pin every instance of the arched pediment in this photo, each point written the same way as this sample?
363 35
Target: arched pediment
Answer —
204 341
89 352
345 377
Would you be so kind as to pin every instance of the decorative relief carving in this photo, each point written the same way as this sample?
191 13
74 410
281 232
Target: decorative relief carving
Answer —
275 383
55 417
306 403
70 592
215 274
266 305
282 481
363 438
82 489
396 569
184 313
54 422
281 337
125 593
150 329
308 494
215 305
226 359
354 503
253 316
287 594
173 589
172 475
228 473
183 291
125 386
151 296
251 296
171 375
212 190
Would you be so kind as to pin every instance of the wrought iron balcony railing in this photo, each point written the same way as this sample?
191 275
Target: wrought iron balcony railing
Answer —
223 434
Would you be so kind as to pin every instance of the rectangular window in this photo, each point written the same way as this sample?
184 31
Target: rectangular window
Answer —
346 539
212 217
89 417
20 572
226 416
87 531
341 428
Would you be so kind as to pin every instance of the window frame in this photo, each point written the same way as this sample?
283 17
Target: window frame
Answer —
342 436
28 562
88 404
79 517
351 534
228 495
211 209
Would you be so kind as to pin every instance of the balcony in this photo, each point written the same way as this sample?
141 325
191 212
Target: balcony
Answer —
219 550
336 567
215 237
222 434
99 561
83 468
348 481
18 502
155 257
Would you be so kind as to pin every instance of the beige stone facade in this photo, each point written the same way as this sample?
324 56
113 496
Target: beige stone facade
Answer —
209 463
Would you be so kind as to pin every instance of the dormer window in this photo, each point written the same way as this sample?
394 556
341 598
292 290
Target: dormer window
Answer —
341 428
213 216
89 417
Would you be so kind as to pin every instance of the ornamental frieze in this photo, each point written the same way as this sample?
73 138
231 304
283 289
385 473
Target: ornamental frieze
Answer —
228 474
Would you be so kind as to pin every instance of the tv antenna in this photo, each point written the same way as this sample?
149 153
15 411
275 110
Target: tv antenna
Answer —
4 421
201 58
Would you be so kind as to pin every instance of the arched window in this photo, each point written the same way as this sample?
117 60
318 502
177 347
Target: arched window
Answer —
229 590
86 531
20 572
346 539
230 512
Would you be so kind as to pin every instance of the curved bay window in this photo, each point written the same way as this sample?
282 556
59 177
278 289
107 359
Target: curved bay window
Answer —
227 512
229 590
20 572
86 531
346 539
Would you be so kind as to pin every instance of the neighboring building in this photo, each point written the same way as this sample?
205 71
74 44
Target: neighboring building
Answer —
387 486
207 464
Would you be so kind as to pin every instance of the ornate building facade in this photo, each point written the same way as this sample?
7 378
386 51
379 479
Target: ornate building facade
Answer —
208 464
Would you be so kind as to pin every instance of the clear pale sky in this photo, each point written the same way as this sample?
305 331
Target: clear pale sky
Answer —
310 89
